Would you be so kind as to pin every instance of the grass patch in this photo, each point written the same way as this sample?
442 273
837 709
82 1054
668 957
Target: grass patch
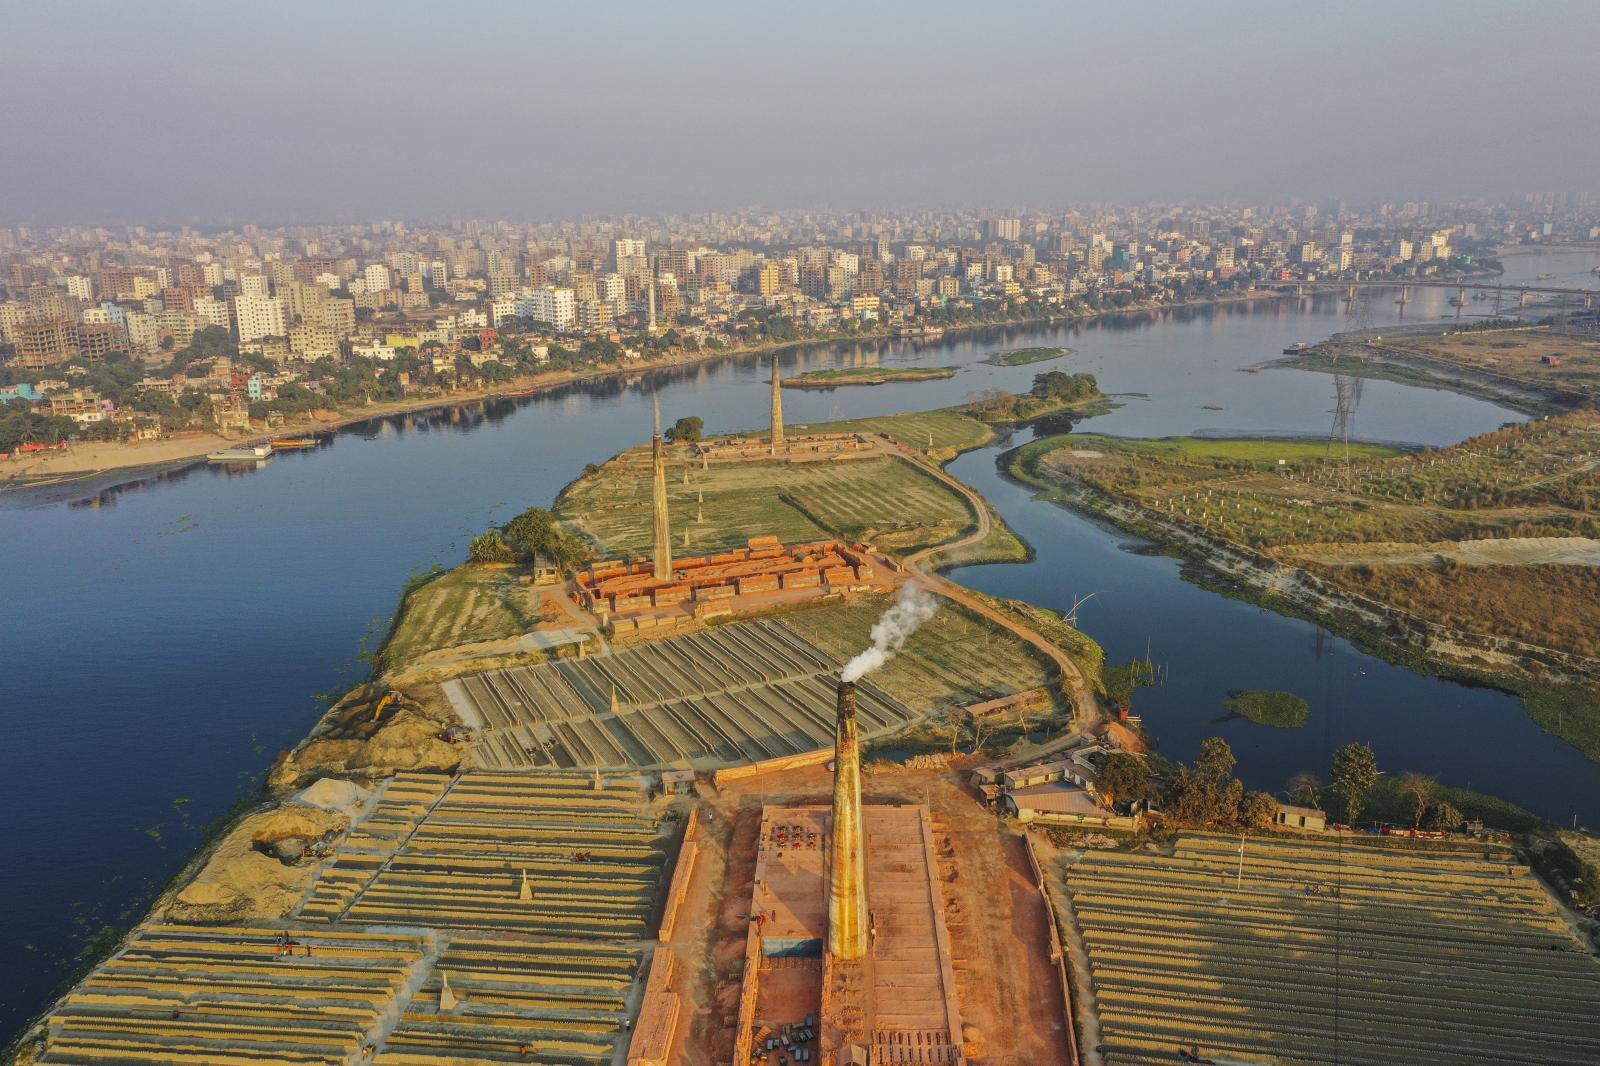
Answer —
866 375
1385 803
460 606
888 500
1572 715
1262 452
1282 710
1024 356
946 431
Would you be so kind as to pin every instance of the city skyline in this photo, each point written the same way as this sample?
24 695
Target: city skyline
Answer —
346 114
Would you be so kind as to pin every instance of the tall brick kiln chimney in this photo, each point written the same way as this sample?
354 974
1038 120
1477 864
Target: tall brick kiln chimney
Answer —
662 556
847 882
777 408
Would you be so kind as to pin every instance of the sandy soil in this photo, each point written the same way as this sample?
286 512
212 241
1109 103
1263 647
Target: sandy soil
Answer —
1010 1002
1511 551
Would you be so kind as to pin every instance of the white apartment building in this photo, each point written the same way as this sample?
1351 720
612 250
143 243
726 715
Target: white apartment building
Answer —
377 277
252 285
212 312
628 248
613 289
258 316
557 307
80 287
507 305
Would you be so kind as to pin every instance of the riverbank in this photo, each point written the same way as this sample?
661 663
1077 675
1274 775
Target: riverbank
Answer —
1471 363
1554 686
85 461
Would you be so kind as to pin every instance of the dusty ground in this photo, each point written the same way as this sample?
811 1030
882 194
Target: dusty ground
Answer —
1010 1002
1511 551
240 882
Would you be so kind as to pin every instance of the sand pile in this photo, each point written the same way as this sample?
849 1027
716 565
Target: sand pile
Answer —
409 740
246 877
332 794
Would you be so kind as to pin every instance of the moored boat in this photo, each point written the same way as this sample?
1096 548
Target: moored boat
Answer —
245 454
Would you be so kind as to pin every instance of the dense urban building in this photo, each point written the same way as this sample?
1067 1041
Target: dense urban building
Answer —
343 314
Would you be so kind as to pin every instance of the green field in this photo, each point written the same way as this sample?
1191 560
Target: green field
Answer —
1024 356
1264 453
866 375
887 500
942 430
460 606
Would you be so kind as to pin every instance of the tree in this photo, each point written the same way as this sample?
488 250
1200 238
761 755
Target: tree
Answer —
537 532
1304 788
1441 817
1355 771
1257 810
1215 763
1420 787
491 547
1123 778
686 430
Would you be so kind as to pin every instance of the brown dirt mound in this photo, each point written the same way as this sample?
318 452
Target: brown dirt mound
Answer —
407 741
241 882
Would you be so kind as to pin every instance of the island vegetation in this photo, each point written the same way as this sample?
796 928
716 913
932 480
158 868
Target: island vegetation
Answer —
1024 356
1283 710
1052 393
866 375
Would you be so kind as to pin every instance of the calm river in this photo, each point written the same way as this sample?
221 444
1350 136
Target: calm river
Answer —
165 639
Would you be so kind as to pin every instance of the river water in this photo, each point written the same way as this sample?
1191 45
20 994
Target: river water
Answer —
165 638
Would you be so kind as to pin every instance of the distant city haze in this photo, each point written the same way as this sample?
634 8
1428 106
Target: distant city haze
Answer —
182 112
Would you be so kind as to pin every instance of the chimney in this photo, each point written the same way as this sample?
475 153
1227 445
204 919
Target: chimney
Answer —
847 883
777 407
662 562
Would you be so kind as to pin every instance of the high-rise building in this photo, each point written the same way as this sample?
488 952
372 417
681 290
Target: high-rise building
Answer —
376 276
554 306
627 248
43 343
256 317
1006 229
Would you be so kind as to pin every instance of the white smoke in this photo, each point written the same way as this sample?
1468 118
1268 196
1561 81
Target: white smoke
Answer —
890 633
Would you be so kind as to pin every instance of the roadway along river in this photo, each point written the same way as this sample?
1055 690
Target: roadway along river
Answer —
164 639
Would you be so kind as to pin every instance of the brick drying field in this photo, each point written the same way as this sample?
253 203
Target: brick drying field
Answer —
886 498
1354 955
729 694
533 895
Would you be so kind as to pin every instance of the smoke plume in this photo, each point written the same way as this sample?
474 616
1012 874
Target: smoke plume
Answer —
889 633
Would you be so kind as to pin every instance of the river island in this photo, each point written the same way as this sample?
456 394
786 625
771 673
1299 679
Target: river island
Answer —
593 766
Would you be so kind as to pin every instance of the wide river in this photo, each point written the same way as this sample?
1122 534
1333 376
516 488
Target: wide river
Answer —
165 638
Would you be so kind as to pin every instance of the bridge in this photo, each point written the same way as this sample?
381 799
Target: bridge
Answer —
1520 291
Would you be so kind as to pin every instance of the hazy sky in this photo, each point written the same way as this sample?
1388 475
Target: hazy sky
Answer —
161 111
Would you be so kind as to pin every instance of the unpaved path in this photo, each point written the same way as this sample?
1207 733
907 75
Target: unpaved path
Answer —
1511 551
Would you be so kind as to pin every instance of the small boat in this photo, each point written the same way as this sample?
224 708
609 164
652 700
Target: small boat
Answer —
1543 277
290 444
248 454
1296 348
